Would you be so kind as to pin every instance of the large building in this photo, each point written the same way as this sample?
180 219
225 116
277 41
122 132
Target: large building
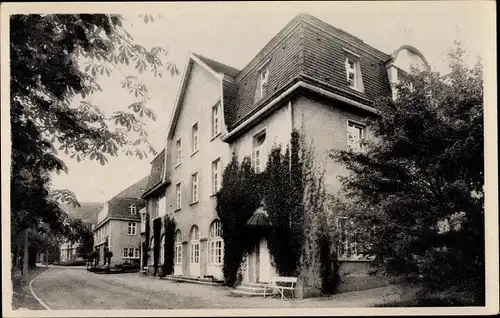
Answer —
118 225
312 77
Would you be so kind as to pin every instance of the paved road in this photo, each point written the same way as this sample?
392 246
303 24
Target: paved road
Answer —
70 288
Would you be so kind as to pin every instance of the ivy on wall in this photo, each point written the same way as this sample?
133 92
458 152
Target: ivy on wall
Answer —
157 240
147 235
169 237
237 199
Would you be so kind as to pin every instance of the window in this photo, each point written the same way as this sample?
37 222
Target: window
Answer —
195 245
262 81
178 247
178 196
178 147
216 174
132 209
143 222
155 207
258 153
216 120
215 243
353 72
355 135
348 238
194 187
194 138
150 252
125 252
131 228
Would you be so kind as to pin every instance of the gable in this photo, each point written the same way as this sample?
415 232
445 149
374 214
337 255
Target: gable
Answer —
198 81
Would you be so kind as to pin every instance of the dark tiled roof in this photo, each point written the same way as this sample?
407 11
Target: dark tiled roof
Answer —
219 67
135 191
87 211
157 170
306 48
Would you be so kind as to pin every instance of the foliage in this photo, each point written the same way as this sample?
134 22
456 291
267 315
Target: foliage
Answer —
237 199
145 250
421 179
168 264
282 195
51 107
157 241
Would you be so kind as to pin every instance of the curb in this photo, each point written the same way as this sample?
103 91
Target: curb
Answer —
33 292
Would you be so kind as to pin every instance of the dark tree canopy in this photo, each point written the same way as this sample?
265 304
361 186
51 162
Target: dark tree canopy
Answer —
50 107
418 186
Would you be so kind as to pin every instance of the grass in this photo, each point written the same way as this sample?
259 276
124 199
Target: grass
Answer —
21 296
435 299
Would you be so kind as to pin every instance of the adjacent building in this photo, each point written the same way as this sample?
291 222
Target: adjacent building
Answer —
85 212
312 77
118 225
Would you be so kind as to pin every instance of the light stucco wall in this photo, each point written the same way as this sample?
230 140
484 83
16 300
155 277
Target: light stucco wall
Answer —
324 123
278 126
119 239
202 93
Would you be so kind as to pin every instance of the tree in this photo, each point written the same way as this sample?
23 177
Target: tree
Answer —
418 186
56 60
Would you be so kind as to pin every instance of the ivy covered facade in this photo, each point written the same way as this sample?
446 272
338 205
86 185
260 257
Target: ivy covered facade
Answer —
311 78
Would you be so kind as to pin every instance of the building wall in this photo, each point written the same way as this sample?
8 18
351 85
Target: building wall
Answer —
324 123
119 239
203 92
278 126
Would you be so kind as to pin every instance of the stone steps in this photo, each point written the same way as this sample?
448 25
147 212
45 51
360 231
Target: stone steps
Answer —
251 290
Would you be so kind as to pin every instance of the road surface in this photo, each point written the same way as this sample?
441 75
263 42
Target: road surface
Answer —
75 288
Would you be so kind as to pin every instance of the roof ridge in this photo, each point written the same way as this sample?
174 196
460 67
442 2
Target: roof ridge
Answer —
209 61
135 183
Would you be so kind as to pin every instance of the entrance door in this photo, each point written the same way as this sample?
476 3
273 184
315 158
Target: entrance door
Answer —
265 267
194 252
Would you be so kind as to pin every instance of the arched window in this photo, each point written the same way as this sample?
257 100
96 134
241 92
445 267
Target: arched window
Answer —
178 247
194 239
215 243
162 249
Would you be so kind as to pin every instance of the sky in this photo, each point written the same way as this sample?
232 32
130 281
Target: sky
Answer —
233 33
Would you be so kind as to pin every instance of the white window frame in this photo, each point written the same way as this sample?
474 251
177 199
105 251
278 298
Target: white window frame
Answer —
195 138
125 253
132 209
178 151
178 196
178 247
194 243
216 244
216 175
357 82
262 81
132 230
216 119
195 187
361 128
137 253
262 150
349 247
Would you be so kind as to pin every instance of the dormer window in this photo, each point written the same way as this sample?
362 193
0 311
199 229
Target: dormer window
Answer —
132 209
353 71
262 82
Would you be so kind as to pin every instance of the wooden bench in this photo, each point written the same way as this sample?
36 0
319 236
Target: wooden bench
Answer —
144 270
281 284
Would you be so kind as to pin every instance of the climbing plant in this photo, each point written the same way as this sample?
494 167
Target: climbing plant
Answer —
145 250
237 199
282 191
169 237
156 247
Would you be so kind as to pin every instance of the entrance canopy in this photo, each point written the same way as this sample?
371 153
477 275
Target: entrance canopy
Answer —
258 219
